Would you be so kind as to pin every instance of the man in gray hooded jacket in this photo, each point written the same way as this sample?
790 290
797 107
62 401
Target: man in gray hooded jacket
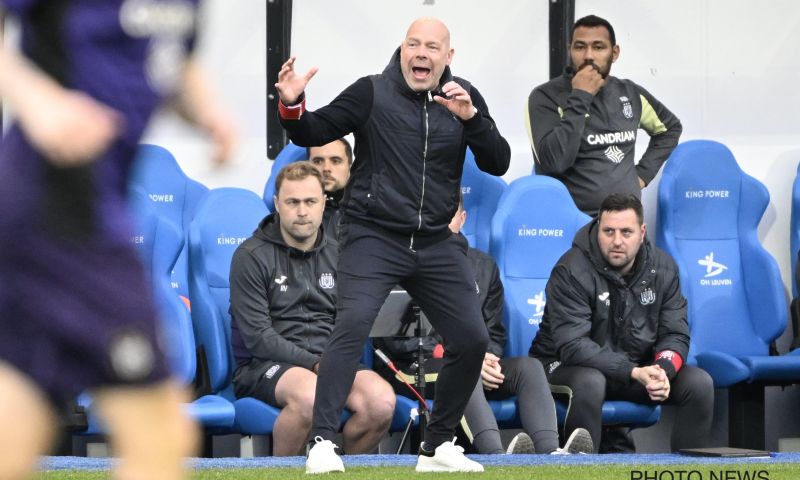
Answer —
583 125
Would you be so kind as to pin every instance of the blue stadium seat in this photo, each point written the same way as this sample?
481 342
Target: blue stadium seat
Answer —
225 218
481 193
708 216
174 197
158 242
534 225
290 153
794 234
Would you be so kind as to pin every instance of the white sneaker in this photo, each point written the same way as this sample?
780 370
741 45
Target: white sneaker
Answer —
578 442
448 457
521 443
322 458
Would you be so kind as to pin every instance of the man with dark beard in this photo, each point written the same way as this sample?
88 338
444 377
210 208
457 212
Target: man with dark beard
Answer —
333 160
615 327
583 124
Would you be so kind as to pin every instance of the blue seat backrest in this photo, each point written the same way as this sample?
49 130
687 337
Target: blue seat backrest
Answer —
534 225
225 218
174 197
708 216
794 233
291 153
158 242
481 193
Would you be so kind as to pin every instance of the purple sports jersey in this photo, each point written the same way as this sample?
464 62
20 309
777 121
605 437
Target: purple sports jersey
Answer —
75 309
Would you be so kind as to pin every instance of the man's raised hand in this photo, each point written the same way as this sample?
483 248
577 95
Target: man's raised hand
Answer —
457 100
291 85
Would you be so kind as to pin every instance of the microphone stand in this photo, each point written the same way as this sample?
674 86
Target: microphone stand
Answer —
419 374
419 380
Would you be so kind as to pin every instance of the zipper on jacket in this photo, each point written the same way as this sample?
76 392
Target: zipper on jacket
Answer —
306 314
425 101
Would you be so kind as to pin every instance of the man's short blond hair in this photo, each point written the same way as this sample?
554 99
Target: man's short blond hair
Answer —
298 171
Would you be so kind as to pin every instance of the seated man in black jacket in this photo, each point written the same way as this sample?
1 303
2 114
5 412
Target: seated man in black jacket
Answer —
283 304
333 161
615 327
500 377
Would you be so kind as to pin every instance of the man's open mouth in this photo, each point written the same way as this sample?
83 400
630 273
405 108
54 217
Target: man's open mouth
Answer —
420 72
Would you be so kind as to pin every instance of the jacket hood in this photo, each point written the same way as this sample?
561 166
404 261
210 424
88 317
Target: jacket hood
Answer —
395 72
586 241
269 230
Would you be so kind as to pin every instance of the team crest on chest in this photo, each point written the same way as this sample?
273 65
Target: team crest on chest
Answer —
627 109
647 297
326 281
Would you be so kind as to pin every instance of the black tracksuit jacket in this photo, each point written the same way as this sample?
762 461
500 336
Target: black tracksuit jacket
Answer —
588 141
283 300
595 318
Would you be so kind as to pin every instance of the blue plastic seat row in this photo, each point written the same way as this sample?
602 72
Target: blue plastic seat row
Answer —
532 228
708 216
539 202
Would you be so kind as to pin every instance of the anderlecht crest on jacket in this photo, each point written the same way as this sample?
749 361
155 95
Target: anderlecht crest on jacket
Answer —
647 297
627 109
326 281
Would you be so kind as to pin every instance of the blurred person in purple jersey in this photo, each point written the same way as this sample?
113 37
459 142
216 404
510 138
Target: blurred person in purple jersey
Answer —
76 311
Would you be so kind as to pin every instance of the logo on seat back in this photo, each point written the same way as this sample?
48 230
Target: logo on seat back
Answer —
713 269
524 231
693 194
161 197
224 240
539 302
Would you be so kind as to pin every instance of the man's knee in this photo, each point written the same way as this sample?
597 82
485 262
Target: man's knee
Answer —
381 407
472 343
531 369
589 387
697 385
375 397
301 404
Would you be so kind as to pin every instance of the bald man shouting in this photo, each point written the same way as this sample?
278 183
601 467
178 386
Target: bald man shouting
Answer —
412 124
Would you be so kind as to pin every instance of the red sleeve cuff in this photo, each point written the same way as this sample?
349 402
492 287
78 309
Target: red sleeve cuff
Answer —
291 113
669 357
